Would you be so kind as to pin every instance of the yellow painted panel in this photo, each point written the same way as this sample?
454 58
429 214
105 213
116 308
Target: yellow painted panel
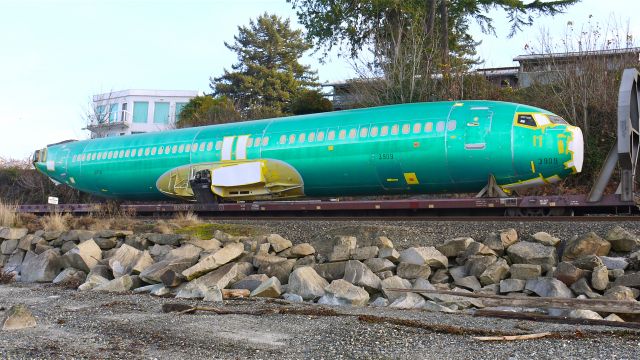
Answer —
533 167
411 178
392 180
560 147
330 147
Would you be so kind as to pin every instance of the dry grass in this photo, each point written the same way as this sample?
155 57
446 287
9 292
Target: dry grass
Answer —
8 216
186 219
55 222
162 228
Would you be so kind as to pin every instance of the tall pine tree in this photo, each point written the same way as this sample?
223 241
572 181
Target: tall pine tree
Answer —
268 75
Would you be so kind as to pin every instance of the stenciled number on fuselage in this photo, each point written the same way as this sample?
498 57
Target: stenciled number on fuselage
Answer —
386 156
548 161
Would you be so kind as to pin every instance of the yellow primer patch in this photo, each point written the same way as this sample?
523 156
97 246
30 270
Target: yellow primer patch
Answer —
392 180
560 146
533 167
411 178
458 104
330 147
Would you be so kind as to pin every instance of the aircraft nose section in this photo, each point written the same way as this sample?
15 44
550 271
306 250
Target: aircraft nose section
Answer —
576 148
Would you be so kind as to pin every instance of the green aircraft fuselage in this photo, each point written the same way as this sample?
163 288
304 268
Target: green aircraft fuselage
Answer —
401 149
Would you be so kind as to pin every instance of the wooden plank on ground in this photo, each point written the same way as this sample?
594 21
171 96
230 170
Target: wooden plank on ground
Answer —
553 319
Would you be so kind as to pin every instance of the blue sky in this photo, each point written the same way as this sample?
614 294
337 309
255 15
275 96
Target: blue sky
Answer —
55 54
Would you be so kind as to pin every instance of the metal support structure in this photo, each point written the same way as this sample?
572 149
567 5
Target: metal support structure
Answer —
492 189
625 151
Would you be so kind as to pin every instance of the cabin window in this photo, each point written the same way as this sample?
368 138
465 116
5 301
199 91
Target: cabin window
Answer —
99 156
353 133
218 145
428 127
73 159
161 150
249 142
210 145
265 141
417 128
363 132
283 139
127 153
302 137
121 154
202 145
384 131
256 142
451 125
406 128
312 137
167 149
332 135
187 148
394 129
321 136
440 126
526 119
93 156
115 154
110 155
374 131
181 148
154 150
292 139
194 147
147 151
342 134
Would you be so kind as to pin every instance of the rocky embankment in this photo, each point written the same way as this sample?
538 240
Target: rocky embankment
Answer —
340 272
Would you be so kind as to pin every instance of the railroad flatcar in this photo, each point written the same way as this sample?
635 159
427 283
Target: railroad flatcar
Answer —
418 148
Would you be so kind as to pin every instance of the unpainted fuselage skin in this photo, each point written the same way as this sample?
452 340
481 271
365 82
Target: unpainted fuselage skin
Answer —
400 149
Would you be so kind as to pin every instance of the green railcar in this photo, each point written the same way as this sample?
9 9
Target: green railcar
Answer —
440 147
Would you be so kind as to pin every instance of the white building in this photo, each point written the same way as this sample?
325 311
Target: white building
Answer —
136 111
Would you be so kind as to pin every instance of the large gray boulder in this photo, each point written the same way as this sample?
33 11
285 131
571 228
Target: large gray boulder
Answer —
621 293
622 240
413 271
394 282
250 282
228 253
525 252
341 292
302 250
569 273
512 285
477 264
424 256
221 277
271 288
124 260
545 239
494 272
468 282
281 270
614 263
600 278
8 247
364 253
408 301
306 282
165 239
548 287
41 268
70 276
92 281
18 317
206 245
278 243
453 247
117 285
83 256
629 280
331 271
186 251
581 287
359 274
378 264
587 244
12 233
154 272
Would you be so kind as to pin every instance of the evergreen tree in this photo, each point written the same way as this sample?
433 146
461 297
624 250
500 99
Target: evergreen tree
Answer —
268 74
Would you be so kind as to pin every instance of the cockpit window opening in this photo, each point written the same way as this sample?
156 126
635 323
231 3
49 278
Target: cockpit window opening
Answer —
557 119
527 120
541 119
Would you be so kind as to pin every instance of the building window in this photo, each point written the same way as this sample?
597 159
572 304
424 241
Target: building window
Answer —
101 114
140 112
113 113
161 113
179 107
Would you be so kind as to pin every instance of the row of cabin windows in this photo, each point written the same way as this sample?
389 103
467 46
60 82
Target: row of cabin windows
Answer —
364 132
160 150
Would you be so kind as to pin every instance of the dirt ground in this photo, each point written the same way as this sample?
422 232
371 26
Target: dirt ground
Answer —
92 325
